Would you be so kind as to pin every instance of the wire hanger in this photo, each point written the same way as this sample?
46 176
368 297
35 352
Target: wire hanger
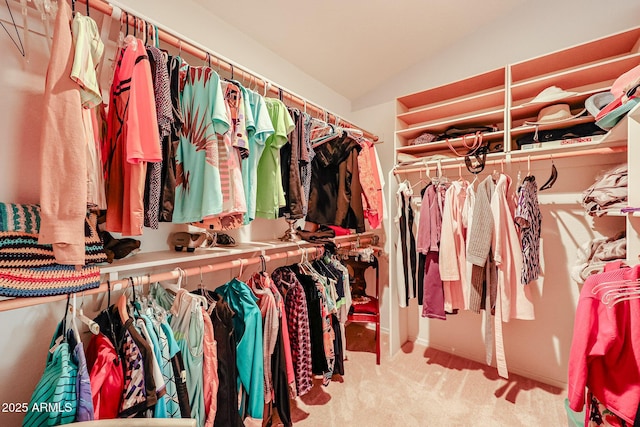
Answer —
552 179
18 44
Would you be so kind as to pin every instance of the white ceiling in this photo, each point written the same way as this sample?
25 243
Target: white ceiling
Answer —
354 46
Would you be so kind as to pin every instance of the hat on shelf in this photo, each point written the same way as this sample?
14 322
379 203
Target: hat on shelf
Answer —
596 102
625 96
557 113
550 94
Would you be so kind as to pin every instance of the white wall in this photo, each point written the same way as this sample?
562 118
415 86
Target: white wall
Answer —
537 349
26 333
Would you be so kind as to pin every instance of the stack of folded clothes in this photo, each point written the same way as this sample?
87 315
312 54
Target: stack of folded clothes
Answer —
28 268
608 193
595 254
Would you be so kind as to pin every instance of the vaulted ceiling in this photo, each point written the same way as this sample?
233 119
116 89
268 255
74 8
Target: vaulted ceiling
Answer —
354 46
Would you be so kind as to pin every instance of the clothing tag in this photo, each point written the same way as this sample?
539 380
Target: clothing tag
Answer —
183 376
56 344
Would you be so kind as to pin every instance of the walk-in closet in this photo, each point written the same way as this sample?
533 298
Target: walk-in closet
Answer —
319 214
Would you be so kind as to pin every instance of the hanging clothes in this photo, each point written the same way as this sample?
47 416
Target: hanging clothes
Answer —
371 185
307 154
210 371
335 197
403 275
290 154
198 187
497 264
227 397
298 325
188 326
259 283
63 176
247 323
452 251
270 192
259 129
232 146
528 219
132 139
88 50
162 96
145 328
170 143
57 385
106 376
428 244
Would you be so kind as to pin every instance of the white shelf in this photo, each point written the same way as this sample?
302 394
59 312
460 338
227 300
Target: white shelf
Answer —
171 258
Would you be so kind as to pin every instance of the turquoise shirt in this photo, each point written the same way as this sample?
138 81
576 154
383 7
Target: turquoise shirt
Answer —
247 323
198 187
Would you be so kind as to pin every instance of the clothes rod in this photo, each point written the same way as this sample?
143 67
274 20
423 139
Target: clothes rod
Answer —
15 303
521 158
189 47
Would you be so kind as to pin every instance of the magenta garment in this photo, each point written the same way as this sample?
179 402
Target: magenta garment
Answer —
430 224
605 356
433 296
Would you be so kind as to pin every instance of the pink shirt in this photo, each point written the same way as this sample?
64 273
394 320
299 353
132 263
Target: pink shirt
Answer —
605 355
453 256
430 224
210 371
132 139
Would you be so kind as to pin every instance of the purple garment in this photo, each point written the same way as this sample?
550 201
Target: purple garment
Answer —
83 386
430 223
433 297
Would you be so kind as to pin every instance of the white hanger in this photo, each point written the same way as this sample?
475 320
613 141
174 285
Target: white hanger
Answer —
78 313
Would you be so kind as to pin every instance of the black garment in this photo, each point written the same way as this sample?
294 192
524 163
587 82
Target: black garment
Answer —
280 382
285 162
180 375
422 265
336 193
227 414
291 179
170 144
318 358
403 243
330 271
338 368
323 234
412 247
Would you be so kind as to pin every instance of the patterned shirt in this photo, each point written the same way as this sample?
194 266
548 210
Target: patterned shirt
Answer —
164 110
529 220
298 325
198 187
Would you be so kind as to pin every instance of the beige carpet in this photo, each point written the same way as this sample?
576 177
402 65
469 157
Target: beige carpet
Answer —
424 387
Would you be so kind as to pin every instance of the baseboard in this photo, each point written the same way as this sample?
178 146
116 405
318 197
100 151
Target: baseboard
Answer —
514 370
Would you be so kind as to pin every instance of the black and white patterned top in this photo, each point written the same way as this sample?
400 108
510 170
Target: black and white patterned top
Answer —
528 219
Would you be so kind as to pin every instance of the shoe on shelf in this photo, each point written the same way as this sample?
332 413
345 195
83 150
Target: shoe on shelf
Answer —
222 239
190 241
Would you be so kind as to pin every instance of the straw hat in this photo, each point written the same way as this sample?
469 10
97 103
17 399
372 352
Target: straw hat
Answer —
551 94
557 113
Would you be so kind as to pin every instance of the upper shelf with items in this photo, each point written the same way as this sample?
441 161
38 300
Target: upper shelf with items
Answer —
472 102
507 100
